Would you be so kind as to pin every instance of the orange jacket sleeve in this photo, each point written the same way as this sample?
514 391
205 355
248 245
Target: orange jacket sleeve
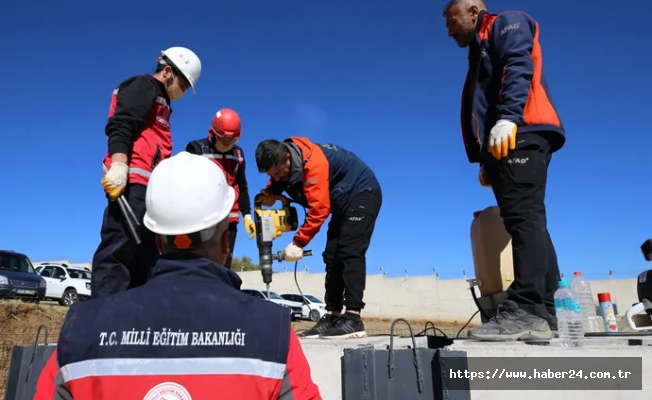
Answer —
297 383
316 187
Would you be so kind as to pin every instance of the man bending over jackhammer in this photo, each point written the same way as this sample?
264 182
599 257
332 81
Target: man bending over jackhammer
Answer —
328 180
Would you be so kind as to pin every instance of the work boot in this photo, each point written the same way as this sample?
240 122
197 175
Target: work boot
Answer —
510 324
348 326
320 327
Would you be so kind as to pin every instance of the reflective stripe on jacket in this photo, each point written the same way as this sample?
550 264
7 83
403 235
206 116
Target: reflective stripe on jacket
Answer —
231 162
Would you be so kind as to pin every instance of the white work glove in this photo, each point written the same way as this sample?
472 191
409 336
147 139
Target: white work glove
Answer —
293 252
115 180
502 138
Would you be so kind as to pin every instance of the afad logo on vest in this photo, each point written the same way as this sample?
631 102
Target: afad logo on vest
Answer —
168 391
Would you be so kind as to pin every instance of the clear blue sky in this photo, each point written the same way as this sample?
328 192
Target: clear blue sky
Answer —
380 78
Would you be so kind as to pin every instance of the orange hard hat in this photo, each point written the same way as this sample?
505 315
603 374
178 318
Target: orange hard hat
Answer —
225 125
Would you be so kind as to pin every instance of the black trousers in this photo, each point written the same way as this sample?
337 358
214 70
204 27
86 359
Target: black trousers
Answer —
348 238
233 232
519 185
119 263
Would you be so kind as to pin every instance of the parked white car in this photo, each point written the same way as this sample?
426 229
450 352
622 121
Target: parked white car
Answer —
67 285
313 308
296 308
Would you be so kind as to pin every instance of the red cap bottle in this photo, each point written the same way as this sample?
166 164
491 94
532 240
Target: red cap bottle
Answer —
607 312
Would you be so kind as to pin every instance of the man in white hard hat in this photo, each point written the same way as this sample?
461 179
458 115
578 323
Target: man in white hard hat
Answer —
189 332
139 137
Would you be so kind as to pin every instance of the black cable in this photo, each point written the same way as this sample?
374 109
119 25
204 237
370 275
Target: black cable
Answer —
422 333
467 324
477 304
434 328
296 280
419 334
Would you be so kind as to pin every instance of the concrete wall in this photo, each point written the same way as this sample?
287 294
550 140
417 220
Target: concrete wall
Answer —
422 297
419 297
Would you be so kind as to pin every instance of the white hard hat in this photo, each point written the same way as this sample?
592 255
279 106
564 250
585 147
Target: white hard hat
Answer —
186 194
185 61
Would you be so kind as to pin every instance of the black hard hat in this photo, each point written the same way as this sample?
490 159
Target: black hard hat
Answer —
644 285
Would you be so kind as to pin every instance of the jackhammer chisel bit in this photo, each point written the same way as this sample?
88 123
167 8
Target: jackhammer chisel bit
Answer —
130 217
128 214
270 224
130 211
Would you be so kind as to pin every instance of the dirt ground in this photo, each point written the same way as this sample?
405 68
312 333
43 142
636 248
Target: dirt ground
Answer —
19 323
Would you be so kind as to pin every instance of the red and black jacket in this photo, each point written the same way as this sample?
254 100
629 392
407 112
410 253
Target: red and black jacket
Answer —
233 164
139 126
188 332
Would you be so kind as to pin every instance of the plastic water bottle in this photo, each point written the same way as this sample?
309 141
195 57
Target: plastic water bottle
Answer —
582 287
569 316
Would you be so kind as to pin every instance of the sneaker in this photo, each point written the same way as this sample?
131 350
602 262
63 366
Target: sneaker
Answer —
320 327
551 317
512 323
348 326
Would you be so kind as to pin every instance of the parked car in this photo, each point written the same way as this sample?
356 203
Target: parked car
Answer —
62 265
67 285
295 308
52 263
18 280
313 308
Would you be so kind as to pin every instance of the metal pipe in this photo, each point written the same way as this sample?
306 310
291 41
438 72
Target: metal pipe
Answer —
127 213
126 209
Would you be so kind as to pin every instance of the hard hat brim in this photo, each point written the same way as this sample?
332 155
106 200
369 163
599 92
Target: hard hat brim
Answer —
220 216
170 186
227 134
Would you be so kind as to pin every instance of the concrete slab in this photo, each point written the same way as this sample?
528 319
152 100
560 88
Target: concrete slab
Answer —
325 364
324 358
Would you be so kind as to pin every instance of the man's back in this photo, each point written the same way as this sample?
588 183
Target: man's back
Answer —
190 332
348 174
